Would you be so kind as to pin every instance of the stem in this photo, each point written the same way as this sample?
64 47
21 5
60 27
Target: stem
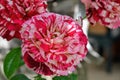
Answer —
47 77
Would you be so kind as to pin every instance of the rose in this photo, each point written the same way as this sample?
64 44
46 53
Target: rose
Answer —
14 12
53 44
106 12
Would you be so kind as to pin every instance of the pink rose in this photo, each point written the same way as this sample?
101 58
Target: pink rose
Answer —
53 44
14 12
107 12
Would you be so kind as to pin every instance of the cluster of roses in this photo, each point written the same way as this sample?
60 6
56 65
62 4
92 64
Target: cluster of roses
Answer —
52 44
106 12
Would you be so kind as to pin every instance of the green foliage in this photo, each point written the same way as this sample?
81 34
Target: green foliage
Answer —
38 77
69 77
19 77
12 62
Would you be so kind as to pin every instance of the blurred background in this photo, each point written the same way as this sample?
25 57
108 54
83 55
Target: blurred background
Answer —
103 59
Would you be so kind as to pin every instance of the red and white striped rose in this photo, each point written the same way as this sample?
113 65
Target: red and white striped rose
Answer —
107 12
53 44
14 12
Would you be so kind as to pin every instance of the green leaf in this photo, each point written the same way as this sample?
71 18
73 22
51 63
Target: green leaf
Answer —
19 77
61 78
73 77
38 77
12 62
21 63
69 77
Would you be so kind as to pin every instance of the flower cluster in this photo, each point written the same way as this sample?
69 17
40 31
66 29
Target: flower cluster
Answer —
53 44
106 12
14 12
